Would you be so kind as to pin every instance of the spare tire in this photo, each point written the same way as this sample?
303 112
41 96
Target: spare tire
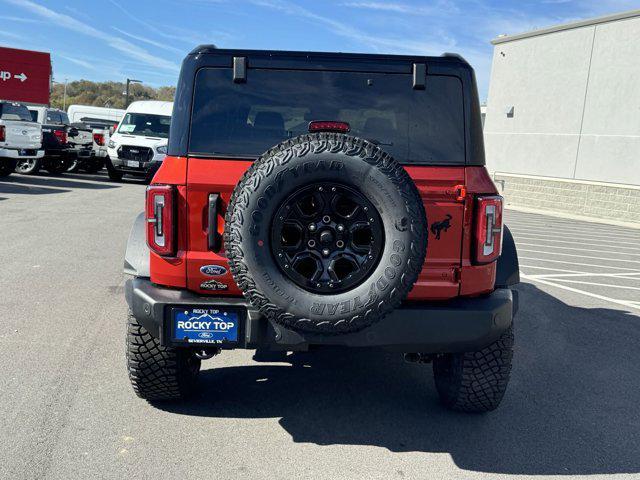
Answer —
325 233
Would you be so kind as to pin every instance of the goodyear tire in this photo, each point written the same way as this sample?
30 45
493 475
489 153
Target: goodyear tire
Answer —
385 204
158 373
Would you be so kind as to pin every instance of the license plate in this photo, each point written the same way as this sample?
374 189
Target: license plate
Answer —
205 325
23 152
133 164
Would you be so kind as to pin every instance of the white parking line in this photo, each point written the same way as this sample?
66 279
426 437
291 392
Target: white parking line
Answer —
580 282
531 237
578 264
568 232
625 303
579 256
575 227
553 233
553 269
625 276
577 249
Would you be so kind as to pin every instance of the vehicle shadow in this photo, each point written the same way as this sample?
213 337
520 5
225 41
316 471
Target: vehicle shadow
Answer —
573 404
60 182
103 177
19 189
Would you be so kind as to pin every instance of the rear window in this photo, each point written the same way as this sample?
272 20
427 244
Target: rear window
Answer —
145 124
246 119
53 118
14 111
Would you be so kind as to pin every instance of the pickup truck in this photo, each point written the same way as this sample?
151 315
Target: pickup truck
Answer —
103 121
20 137
63 142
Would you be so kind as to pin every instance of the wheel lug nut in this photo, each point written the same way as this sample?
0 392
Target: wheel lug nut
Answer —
325 252
339 244
340 228
311 243
326 219
312 227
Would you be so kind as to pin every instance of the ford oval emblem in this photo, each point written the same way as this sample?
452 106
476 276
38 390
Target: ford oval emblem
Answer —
205 335
213 270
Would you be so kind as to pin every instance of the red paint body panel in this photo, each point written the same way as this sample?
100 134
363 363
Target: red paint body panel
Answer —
36 68
448 270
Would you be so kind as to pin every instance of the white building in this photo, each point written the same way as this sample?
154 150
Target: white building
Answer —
562 129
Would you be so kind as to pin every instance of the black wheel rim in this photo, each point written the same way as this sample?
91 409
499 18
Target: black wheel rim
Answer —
327 238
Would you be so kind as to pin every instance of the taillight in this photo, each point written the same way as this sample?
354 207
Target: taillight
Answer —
61 135
488 228
2 134
98 138
160 217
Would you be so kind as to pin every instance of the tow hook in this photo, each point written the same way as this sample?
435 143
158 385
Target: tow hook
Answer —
418 358
206 353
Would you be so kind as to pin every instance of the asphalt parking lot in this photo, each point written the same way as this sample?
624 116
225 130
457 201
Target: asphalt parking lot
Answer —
67 410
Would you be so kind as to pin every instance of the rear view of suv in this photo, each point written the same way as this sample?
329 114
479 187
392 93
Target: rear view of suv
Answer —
316 199
139 145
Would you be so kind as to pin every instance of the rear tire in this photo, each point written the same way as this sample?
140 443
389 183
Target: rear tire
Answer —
74 167
95 167
29 166
7 167
158 373
56 166
475 381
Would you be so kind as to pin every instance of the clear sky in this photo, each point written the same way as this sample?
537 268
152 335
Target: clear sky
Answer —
147 39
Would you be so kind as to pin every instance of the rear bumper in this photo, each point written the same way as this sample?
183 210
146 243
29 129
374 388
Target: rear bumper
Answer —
15 154
459 325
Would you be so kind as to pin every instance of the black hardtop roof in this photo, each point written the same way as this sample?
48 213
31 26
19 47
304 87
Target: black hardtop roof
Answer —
207 54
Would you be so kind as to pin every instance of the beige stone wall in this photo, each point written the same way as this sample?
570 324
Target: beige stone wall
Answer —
590 199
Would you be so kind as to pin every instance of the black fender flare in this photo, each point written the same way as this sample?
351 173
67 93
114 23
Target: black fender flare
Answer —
136 257
508 268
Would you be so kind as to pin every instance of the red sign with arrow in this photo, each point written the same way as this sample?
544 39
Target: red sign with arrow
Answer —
25 76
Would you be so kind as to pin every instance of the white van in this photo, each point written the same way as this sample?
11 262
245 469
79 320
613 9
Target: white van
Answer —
139 145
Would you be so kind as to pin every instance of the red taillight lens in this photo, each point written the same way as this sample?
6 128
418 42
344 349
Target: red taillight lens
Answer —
324 126
2 134
488 228
61 135
98 138
160 217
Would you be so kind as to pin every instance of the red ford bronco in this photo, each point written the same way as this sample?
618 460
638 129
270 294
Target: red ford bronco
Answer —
313 199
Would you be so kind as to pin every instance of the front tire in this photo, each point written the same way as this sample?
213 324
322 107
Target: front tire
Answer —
29 166
475 381
56 166
158 373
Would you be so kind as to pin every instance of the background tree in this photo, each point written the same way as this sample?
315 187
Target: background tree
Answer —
107 94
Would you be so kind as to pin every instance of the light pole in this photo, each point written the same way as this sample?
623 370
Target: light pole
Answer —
126 92
64 95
